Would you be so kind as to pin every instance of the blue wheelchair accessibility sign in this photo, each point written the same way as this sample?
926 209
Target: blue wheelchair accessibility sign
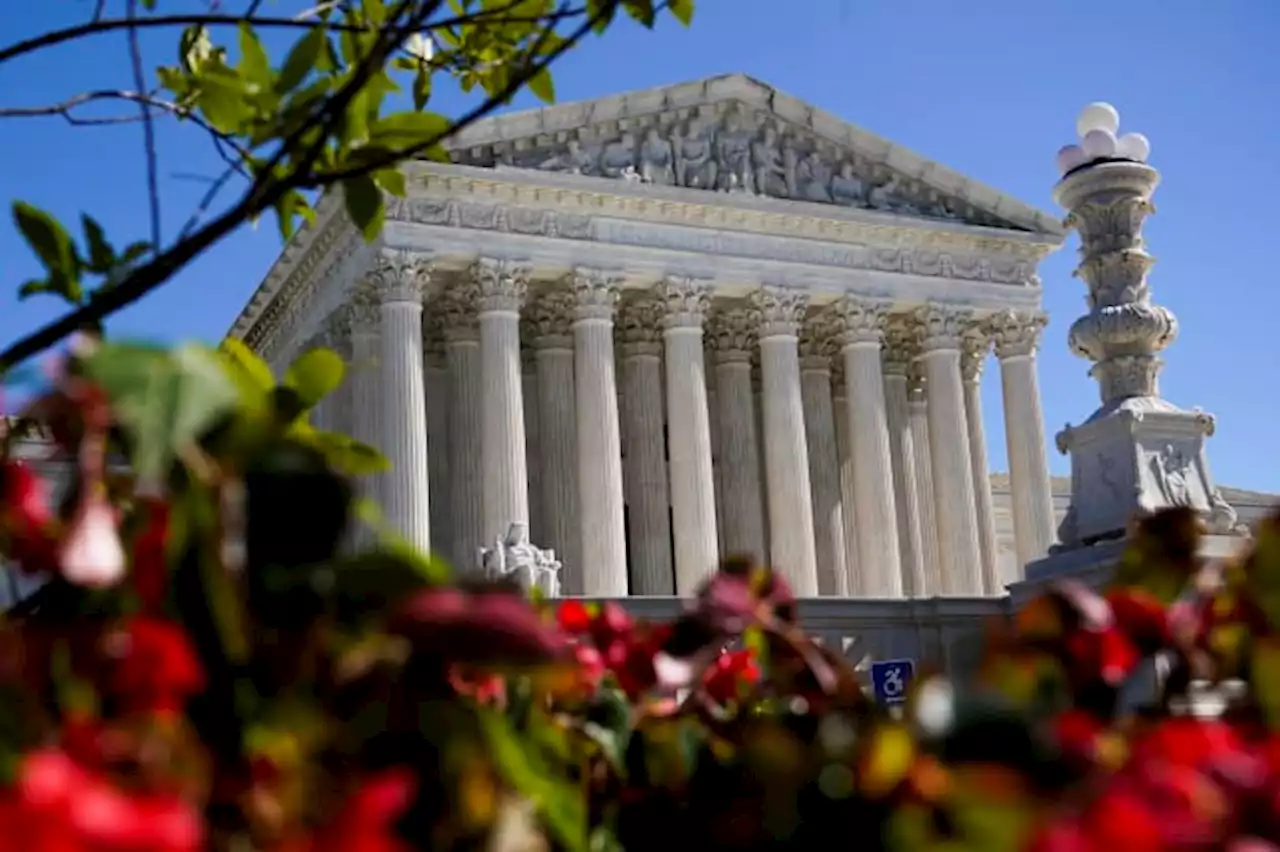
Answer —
890 679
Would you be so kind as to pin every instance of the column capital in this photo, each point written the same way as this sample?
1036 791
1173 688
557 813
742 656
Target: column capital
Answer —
731 335
942 327
433 338
1016 333
819 343
548 320
502 283
596 292
361 310
686 299
901 344
400 276
640 325
335 332
916 383
859 321
974 346
459 311
778 311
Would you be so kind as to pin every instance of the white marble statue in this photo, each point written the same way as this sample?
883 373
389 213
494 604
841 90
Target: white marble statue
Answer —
515 558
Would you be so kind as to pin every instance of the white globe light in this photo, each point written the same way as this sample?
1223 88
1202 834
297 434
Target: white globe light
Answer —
1070 157
1097 116
1099 144
1133 146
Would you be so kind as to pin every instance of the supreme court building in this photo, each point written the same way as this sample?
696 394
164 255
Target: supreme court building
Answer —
675 324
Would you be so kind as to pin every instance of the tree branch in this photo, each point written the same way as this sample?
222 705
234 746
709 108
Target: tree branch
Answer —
148 130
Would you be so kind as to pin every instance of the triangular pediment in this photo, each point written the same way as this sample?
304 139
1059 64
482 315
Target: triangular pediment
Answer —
736 134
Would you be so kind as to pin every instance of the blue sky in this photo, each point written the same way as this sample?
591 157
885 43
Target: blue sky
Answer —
988 87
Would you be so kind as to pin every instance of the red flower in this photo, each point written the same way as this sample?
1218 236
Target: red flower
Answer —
484 688
1077 734
156 668
1121 820
574 617
61 805
150 572
729 674
1141 616
366 821
26 518
1105 654
492 626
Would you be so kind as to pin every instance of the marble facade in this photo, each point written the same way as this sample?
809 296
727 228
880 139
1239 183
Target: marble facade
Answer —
675 324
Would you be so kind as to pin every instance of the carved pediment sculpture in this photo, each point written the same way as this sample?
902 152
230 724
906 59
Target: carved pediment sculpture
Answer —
735 150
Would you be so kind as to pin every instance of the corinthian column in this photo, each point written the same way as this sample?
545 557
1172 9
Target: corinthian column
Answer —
692 478
506 483
961 557
458 308
926 500
645 460
532 434
550 325
1017 336
861 326
366 397
402 278
844 448
818 347
897 361
973 352
732 337
436 378
786 453
604 532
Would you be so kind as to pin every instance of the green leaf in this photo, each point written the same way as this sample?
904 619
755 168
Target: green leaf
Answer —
46 236
223 99
302 59
364 205
101 255
542 86
314 375
165 400
392 180
421 87
640 10
401 131
558 801
255 67
247 363
347 455
682 10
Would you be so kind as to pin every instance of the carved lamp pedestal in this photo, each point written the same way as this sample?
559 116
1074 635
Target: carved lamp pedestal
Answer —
1137 453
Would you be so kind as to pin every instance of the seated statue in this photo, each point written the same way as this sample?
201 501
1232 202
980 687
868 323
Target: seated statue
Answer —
513 557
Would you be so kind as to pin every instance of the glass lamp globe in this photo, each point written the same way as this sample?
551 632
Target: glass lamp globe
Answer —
1099 144
1098 116
1133 146
1070 157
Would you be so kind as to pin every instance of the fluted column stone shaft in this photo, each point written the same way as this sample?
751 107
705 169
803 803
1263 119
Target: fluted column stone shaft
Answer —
692 477
817 348
459 310
976 344
1017 337
436 379
861 324
645 460
844 448
550 320
532 439
604 533
401 279
503 285
779 312
366 396
957 518
926 500
897 360
732 337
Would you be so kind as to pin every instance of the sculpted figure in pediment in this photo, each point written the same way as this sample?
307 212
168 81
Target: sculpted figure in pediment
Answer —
847 188
733 149
814 180
619 158
695 164
767 165
657 159
574 159
890 197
